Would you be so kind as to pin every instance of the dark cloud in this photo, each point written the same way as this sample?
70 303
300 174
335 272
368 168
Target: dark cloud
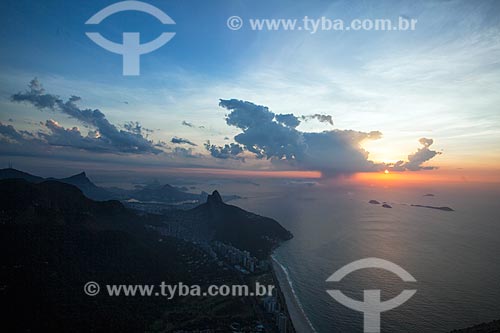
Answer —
322 118
9 134
288 120
228 151
246 115
72 137
275 137
129 140
36 96
177 140
185 123
52 134
136 127
262 133
426 142
416 159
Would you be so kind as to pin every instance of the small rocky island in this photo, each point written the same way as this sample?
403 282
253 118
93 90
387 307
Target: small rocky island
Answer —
384 204
444 208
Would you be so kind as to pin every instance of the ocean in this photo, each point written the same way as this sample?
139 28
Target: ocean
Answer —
454 256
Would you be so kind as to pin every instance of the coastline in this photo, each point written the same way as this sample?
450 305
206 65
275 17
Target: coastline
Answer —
295 311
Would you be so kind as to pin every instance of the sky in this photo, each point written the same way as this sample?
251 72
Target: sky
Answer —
422 104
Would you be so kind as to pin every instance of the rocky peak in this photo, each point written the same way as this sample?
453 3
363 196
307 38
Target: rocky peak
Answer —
214 198
80 178
80 175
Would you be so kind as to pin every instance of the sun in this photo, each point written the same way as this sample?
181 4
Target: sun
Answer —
386 171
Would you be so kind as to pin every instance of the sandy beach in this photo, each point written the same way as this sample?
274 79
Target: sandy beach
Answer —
297 315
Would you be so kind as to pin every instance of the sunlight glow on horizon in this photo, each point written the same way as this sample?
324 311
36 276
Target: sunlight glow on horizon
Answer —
457 176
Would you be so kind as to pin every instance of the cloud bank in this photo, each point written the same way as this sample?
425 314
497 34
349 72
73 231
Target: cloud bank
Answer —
275 137
263 135
228 151
106 135
416 159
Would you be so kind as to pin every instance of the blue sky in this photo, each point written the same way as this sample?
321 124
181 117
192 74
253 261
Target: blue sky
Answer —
440 81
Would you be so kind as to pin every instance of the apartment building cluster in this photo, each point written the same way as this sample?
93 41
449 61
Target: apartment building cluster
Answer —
273 307
240 259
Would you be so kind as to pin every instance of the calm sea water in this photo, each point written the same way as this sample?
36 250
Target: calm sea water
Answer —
455 256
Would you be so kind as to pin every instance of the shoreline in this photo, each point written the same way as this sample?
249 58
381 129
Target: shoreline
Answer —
295 311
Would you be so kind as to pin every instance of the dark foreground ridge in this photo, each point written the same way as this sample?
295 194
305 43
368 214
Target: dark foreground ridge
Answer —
55 239
156 193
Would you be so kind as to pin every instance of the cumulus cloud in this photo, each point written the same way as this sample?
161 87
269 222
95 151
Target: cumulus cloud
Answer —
177 140
136 127
72 137
275 137
20 142
129 140
9 134
426 142
228 151
288 120
419 157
